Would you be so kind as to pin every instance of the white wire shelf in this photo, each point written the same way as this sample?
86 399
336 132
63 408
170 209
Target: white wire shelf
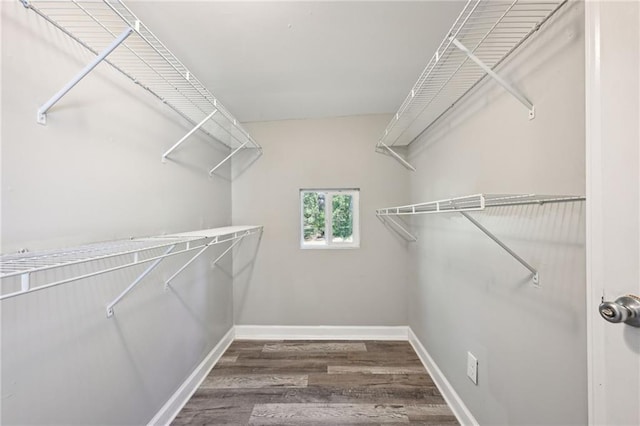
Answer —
222 233
108 26
474 203
482 37
471 203
135 251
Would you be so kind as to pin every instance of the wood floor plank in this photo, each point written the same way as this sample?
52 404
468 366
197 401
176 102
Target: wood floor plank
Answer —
322 395
347 369
404 356
317 356
391 381
315 347
227 359
440 413
255 381
388 346
268 366
196 413
294 362
241 346
324 383
331 414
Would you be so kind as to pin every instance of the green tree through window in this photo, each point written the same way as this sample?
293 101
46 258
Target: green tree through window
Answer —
313 214
329 218
342 217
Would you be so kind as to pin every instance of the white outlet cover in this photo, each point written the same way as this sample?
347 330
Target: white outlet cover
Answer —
472 368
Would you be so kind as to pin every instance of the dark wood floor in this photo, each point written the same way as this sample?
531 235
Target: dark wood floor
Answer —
319 383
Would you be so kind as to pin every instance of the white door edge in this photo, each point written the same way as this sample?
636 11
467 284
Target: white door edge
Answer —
593 215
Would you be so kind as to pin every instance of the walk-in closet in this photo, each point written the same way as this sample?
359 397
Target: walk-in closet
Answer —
320 212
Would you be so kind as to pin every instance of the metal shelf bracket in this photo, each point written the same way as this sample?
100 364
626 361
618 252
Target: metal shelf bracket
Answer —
42 111
506 85
237 238
185 137
405 233
535 276
227 158
228 249
397 156
189 262
137 281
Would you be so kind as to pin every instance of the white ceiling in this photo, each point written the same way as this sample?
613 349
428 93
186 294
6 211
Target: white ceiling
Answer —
289 60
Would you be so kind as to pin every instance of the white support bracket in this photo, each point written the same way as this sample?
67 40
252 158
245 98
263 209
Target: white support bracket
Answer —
202 250
42 111
25 284
213 264
507 86
228 157
237 238
535 275
406 233
185 137
136 282
395 155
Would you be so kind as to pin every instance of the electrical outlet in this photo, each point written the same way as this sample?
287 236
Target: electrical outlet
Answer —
472 367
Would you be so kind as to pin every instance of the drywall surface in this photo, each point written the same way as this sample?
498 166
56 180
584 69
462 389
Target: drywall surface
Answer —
287 285
465 292
93 173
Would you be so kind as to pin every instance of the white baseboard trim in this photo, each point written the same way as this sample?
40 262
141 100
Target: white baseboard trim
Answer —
172 407
458 407
275 332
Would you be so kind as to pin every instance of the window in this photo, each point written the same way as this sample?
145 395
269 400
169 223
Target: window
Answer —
329 218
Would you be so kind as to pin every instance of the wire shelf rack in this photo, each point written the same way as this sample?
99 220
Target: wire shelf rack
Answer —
471 203
482 37
475 202
144 59
24 263
134 251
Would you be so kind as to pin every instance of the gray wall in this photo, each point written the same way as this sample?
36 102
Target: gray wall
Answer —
290 286
467 294
94 174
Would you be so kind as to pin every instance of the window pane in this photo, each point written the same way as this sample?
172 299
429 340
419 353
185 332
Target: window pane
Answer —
342 218
313 217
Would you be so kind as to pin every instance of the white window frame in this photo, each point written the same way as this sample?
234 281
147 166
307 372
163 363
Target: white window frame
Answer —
328 219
